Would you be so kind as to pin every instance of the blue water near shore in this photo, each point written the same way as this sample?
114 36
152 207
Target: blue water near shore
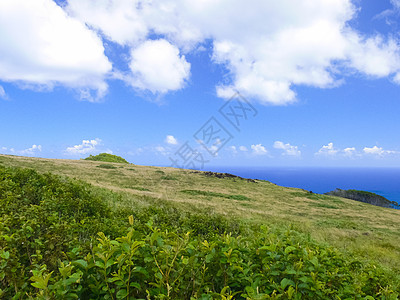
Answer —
382 181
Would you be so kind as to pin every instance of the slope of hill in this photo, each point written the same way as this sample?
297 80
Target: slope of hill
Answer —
174 196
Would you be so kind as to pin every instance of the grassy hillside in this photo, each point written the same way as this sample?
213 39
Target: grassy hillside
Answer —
172 196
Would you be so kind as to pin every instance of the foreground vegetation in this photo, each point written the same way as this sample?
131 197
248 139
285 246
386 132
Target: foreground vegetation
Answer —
192 234
59 239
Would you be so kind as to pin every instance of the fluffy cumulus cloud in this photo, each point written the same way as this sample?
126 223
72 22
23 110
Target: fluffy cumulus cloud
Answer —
42 46
121 21
171 140
86 147
157 66
259 149
377 151
267 48
374 56
287 149
327 150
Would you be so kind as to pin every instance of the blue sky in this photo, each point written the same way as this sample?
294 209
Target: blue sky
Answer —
139 80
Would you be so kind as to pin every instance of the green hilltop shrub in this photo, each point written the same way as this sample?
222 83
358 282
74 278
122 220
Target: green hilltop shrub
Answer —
106 157
60 240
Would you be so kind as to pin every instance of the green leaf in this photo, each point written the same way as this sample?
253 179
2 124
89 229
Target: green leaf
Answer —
285 282
5 255
290 292
140 270
40 281
126 247
81 263
38 285
290 271
109 263
289 249
305 279
135 285
314 261
99 264
122 294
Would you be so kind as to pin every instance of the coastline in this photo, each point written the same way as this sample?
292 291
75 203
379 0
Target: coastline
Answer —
381 181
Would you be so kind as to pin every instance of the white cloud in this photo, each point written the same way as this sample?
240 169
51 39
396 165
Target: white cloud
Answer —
396 78
121 21
287 149
170 139
373 56
160 149
243 148
233 149
395 3
267 47
374 150
378 151
3 94
259 149
349 152
40 45
6 150
390 15
29 151
327 150
157 66
87 146
32 150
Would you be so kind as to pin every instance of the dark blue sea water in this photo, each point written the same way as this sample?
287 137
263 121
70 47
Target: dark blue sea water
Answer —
382 181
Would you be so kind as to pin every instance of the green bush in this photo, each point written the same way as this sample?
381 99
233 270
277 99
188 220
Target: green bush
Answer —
161 264
106 157
41 217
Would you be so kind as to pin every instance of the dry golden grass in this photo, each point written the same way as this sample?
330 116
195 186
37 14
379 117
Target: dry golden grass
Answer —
370 231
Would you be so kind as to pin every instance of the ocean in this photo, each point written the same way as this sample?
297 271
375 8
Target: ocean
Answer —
382 181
